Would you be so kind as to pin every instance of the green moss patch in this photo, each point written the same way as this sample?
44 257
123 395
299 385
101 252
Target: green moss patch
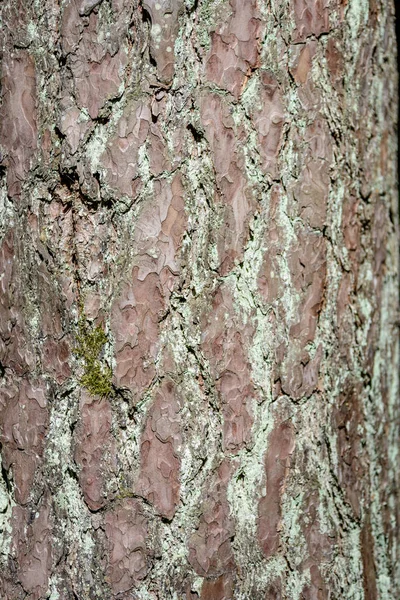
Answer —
97 375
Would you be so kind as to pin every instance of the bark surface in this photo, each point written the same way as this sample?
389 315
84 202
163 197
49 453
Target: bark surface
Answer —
199 300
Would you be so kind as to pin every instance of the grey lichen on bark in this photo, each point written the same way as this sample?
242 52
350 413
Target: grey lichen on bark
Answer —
216 179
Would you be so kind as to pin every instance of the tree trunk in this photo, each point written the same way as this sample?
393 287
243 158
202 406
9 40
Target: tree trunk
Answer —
199 300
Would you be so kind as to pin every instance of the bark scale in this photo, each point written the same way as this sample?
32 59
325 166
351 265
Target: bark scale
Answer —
199 300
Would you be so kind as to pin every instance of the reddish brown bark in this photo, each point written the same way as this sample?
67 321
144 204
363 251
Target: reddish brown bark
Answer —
209 188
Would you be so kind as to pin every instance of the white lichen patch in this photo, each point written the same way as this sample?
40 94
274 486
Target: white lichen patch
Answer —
6 506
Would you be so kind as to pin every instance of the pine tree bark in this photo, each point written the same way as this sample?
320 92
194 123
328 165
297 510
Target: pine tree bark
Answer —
199 300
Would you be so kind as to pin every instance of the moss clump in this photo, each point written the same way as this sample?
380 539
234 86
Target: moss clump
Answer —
96 376
124 493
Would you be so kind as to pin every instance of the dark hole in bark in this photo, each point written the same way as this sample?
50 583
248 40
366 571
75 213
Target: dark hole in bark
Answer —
194 7
70 179
152 60
146 17
197 135
4 474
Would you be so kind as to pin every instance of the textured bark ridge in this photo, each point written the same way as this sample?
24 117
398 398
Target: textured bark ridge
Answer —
209 187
